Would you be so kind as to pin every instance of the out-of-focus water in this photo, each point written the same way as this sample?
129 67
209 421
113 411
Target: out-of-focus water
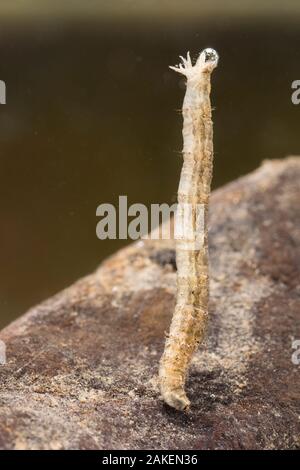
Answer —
91 114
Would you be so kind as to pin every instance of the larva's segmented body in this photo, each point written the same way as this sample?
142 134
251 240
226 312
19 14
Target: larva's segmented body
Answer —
189 319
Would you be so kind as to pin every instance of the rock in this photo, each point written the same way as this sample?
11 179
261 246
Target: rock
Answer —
81 367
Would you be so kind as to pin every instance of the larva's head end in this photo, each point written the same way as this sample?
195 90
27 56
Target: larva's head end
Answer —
175 397
179 401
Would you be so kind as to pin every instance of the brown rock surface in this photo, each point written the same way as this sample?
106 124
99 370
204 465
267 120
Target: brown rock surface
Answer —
81 367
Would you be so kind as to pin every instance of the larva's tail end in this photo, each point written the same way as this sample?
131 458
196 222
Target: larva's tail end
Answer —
208 58
184 66
207 61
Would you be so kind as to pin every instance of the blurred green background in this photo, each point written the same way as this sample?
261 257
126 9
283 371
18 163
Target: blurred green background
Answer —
92 113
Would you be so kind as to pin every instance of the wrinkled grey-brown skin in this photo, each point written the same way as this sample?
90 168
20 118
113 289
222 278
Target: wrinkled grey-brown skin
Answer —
191 310
78 365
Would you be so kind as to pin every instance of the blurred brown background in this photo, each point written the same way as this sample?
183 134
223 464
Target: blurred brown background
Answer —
91 115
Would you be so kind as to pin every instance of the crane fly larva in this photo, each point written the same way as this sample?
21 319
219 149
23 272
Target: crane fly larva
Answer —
191 310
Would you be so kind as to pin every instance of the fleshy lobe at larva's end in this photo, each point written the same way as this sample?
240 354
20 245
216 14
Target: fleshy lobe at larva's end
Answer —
206 62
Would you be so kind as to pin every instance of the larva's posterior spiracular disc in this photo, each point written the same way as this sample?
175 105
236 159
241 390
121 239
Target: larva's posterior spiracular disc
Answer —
210 55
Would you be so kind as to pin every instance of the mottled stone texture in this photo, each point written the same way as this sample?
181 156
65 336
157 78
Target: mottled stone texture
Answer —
81 370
